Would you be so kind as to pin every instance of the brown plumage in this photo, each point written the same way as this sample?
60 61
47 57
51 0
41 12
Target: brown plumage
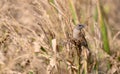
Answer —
79 37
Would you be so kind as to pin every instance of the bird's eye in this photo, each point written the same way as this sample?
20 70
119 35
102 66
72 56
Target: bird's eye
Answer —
81 26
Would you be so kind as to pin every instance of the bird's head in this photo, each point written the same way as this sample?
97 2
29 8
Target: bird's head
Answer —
79 26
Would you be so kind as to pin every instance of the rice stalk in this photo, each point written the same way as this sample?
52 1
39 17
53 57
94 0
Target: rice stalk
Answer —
103 28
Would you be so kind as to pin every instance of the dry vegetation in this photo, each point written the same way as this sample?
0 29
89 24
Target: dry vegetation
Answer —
35 37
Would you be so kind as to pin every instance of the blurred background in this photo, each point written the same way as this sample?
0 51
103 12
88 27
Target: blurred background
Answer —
35 36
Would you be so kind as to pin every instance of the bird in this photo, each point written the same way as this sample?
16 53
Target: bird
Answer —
79 36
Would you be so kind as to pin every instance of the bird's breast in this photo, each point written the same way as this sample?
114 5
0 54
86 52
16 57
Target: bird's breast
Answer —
76 34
